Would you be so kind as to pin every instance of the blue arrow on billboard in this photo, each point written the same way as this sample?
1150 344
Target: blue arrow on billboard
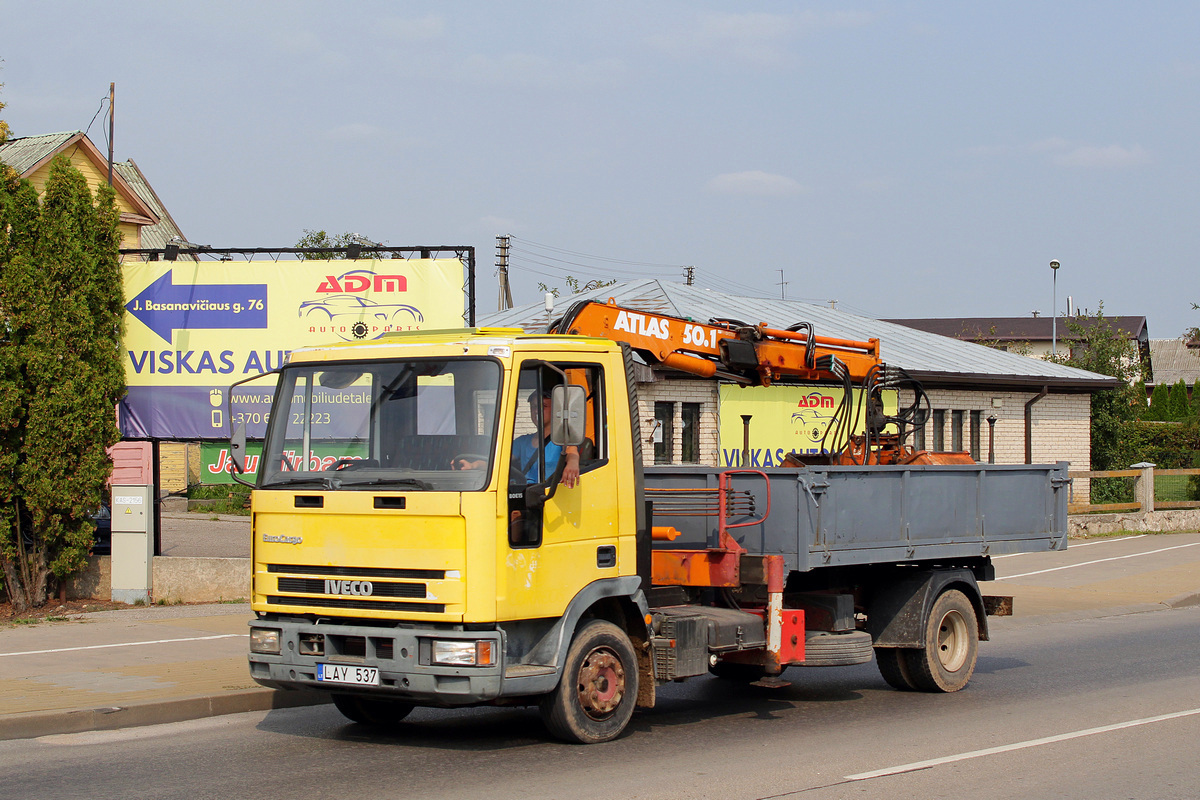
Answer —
164 307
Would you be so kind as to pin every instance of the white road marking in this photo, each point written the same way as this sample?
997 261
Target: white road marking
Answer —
123 644
1075 546
1008 748
1097 561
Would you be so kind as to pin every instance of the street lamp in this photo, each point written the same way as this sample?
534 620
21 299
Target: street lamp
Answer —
1054 265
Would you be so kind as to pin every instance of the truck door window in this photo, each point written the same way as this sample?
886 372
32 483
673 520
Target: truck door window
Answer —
533 458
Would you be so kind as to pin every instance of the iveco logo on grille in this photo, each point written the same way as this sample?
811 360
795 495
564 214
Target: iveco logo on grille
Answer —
358 588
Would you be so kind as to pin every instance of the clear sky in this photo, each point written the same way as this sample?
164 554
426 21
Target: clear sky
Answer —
906 159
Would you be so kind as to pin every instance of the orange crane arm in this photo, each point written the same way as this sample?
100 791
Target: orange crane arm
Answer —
749 354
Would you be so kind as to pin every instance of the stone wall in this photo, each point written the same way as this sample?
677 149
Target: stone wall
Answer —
175 579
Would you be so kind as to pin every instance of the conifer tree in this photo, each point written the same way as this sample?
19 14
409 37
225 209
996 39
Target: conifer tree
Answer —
60 374
1178 403
1159 403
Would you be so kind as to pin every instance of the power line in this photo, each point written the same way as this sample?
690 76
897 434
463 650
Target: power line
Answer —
595 257
543 259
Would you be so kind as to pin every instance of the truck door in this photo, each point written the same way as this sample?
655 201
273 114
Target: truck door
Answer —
571 540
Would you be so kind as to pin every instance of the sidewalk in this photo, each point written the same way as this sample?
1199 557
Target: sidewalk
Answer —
145 666
141 666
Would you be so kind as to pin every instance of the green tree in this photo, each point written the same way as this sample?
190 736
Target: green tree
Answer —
5 132
1098 347
1194 405
1177 406
1192 334
313 238
1160 402
61 374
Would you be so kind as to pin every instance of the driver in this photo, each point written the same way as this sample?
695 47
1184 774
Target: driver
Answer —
525 448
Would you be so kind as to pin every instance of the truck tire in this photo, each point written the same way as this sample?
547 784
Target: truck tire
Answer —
947 660
829 649
893 666
598 690
372 712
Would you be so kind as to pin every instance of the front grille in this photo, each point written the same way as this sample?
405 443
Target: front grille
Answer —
360 572
317 586
371 605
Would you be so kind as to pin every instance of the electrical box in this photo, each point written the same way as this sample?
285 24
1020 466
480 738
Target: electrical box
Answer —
132 543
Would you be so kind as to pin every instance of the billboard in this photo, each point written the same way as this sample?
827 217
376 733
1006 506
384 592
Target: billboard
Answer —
783 419
193 328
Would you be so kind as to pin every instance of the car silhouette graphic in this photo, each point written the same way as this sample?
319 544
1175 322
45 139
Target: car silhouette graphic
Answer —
355 317
812 422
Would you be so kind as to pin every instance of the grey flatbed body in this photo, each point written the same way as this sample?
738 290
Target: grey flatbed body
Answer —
828 516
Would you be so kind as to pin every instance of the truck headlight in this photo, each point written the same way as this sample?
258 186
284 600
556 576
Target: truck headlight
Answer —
265 641
462 653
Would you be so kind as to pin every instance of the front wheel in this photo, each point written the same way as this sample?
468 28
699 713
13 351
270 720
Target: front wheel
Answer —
947 660
595 698
370 712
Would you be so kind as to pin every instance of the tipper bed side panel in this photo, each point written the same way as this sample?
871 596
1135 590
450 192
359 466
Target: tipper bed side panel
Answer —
828 516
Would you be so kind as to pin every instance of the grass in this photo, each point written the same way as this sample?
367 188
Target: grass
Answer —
220 499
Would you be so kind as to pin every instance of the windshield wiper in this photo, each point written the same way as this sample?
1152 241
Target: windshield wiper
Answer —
328 482
422 485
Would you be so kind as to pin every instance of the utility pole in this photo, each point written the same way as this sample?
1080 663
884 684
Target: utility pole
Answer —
505 301
689 275
112 96
782 286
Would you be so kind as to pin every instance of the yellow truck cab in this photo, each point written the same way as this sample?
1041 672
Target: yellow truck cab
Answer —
413 544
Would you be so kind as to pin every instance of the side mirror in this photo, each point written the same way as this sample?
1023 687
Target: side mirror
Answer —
569 408
237 447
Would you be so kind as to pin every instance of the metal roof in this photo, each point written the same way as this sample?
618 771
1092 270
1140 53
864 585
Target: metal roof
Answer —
934 359
160 234
23 153
1174 361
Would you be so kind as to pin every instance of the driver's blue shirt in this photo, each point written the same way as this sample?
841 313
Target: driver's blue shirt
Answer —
524 456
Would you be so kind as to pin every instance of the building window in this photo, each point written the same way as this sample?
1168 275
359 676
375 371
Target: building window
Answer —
664 432
956 430
689 435
976 433
939 430
919 437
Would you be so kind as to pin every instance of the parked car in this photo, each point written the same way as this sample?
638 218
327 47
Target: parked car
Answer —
102 543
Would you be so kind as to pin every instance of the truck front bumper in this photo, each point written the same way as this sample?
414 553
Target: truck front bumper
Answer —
403 657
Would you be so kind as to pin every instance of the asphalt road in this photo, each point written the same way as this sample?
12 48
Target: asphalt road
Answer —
1102 689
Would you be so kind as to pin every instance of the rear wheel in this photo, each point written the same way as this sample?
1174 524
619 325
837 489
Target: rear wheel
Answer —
893 666
947 660
595 698
368 711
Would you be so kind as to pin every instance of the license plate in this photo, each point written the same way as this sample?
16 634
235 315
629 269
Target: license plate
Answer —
337 673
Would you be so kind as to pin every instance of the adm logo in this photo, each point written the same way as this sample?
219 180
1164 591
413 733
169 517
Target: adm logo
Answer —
355 588
362 280
345 311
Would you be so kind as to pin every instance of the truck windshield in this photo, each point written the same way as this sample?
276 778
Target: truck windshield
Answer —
419 425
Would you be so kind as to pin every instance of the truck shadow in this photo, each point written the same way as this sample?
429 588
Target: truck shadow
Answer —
489 728
990 666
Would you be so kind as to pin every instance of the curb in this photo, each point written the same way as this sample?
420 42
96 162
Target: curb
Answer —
39 723
1183 600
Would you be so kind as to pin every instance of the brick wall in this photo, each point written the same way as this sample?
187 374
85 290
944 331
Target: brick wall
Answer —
677 392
